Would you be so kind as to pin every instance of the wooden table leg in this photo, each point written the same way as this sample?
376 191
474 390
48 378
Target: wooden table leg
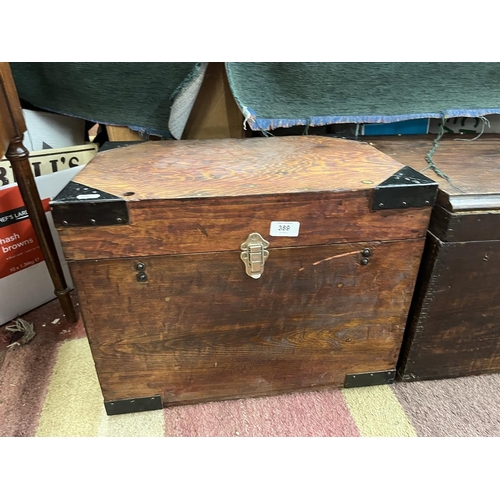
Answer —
18 156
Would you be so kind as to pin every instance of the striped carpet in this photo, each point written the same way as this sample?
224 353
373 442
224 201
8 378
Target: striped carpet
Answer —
49 388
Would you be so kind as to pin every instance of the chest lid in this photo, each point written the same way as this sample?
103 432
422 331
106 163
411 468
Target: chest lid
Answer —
468 201
202 196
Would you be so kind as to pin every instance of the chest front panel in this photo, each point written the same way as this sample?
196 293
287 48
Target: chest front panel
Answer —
199 328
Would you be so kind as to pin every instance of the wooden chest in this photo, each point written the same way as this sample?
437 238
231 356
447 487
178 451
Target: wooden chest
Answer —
210 270
454 327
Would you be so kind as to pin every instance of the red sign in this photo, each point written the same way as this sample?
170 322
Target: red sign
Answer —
19 246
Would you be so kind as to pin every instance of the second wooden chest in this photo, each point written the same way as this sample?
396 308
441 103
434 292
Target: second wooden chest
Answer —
454 324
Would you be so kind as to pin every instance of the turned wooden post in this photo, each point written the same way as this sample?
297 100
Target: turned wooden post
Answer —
12 128
18 156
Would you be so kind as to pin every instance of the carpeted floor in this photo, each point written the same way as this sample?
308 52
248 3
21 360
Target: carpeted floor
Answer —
49 388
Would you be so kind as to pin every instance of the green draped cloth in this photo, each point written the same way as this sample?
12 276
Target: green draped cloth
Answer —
274 95
137 95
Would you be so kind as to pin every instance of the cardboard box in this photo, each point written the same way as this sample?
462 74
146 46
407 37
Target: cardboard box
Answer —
52 131
25 282
469 126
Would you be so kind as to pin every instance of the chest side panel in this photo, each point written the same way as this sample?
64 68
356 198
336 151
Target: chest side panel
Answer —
454 327
200 329
465 226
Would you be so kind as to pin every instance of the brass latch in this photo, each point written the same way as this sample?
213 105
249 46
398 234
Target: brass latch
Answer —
254 254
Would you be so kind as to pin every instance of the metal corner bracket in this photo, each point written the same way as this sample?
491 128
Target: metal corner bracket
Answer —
407 188
369 379
133 405
80 205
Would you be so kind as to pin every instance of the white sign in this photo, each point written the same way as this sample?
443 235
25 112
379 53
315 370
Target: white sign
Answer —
50 161
284 228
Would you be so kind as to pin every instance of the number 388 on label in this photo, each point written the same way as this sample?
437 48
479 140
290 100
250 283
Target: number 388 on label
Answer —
285 228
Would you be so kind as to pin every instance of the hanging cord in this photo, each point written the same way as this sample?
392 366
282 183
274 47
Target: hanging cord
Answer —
484 123
430 154
306 129
356 133
265 133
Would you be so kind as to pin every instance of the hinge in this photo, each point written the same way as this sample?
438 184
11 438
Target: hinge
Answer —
370 378
80 205
254 254
132 405
407 188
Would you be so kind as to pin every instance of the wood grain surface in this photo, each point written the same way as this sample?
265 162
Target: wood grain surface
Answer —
223 224
200 329
116 133
465 226
453 330
237 167
207 196
215 114
472 166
